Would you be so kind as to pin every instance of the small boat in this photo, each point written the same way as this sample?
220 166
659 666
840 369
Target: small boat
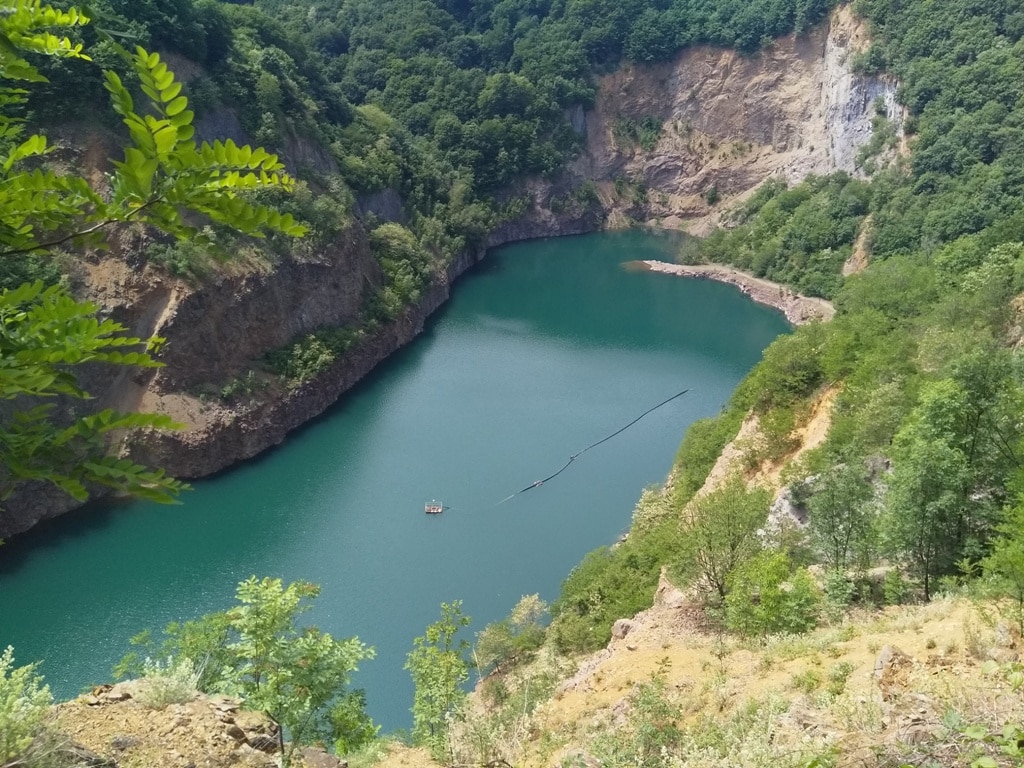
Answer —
433 507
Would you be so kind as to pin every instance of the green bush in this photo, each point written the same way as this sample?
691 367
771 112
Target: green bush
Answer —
186 259
407 268
789 371
837 677
766 598
513 640
700 449
314 353
610 584
242 386
651 733
24 707
895 589
807 681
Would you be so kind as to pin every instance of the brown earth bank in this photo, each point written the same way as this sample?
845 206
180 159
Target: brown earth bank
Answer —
797 308
873 689
728 122
110 727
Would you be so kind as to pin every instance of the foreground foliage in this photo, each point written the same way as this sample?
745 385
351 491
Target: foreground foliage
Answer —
45 333
298 676
439 668
24 708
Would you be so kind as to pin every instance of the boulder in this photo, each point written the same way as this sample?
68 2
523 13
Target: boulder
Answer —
892 671
621 628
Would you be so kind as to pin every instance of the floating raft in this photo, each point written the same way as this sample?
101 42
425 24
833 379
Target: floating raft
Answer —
433 507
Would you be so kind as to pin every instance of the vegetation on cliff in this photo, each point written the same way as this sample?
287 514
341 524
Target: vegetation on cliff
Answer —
919 476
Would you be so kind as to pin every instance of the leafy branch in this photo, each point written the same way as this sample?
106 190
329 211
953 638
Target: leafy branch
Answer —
163 177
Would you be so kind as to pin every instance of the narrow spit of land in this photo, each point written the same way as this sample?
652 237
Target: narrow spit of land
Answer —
797 308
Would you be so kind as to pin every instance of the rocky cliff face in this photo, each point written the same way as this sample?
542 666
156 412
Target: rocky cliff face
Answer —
727 122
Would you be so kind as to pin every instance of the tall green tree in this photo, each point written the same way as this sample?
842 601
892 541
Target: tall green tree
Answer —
438 665
927 501
841 520
1005 565
722 531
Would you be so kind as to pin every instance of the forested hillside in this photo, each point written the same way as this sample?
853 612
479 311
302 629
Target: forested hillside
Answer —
445 106
446 103
922 463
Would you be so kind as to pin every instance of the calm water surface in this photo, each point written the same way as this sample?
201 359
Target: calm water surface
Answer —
545 348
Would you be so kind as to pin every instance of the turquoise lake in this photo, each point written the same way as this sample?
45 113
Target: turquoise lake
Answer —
545 347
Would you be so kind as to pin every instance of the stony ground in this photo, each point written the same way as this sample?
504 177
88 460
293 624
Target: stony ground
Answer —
204 732
904 670
797 308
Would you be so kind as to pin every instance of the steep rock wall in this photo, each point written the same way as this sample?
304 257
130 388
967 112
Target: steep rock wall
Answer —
729 122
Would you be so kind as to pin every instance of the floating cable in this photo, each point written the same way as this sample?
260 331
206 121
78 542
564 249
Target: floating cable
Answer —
538 483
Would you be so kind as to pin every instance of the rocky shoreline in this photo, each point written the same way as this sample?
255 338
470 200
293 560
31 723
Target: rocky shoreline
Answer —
225 436
797 308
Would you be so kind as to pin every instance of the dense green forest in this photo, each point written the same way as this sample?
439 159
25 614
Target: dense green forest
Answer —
449 102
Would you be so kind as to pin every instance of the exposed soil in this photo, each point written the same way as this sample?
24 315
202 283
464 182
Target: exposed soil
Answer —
858 260
797 308
204 732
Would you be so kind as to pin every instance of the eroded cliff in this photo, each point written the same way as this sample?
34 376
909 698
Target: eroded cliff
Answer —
728 122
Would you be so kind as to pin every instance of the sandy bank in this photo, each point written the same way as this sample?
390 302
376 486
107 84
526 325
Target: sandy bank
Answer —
798 309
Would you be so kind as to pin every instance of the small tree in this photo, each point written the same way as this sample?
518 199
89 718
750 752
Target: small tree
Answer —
298 676
928 500
722 531
513 639
292 674
841 516
766 597
438 668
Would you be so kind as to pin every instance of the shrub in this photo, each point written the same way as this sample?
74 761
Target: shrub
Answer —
514 639
765 598
807 681
651 733
699 451
837 677
314 353
610 584
24 706
839 593
722 533
172 682
895 588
